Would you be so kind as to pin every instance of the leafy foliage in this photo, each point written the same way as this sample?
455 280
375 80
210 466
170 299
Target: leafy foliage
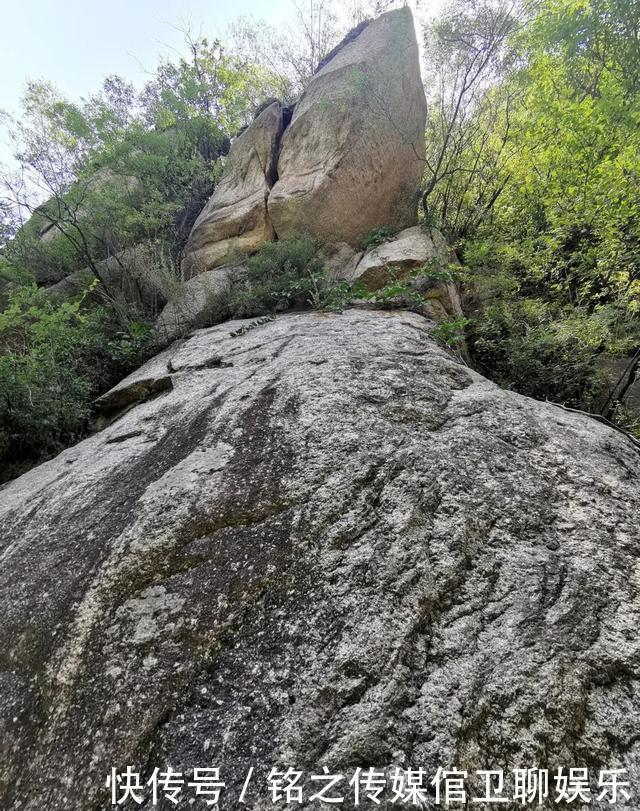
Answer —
288 273
119 176
125 167
451 332
376 237
55 359
543 200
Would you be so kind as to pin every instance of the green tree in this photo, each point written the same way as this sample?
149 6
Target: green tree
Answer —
548 221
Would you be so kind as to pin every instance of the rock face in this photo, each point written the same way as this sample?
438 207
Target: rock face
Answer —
235 218
204 298
410 249
351 159
323 541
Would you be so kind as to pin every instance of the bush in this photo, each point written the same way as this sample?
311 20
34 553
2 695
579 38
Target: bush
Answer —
451 332
377 236
54 359
536 350
404 288
288 273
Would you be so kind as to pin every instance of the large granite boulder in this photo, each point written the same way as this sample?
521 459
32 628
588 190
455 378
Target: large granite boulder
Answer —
235 218
352 158
321 542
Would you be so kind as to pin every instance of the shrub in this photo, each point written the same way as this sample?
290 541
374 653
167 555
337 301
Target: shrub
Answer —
54 359
451 332
287 273
404 288
527 332
539 351
377 236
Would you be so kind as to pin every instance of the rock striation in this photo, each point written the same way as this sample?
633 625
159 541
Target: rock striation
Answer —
321 541
348 159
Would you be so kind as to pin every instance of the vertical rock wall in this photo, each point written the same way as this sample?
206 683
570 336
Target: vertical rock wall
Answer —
352 158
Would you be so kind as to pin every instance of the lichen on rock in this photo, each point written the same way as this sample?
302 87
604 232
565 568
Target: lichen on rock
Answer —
328 542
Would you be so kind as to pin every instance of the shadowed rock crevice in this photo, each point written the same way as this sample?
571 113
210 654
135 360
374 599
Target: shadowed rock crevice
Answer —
287 113
236 218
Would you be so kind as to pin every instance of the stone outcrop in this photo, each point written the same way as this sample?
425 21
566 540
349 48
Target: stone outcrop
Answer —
347 160
235 218
395 258
202 301
321 542
405 251
342 260
351 159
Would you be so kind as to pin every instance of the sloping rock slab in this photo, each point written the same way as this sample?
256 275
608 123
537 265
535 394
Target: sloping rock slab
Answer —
235 218
345 548
352 158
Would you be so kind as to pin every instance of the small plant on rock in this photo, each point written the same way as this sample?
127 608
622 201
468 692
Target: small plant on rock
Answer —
377 236
451 332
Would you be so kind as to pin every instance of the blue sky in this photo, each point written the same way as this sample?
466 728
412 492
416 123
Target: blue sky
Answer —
75 43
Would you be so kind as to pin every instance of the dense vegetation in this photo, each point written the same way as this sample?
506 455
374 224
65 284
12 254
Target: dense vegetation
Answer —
532 172
538 188
109 188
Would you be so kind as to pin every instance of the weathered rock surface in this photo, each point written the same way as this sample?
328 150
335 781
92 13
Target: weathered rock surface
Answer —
409 249
351 159
327 542
342 261
396 258
235 218
203 298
